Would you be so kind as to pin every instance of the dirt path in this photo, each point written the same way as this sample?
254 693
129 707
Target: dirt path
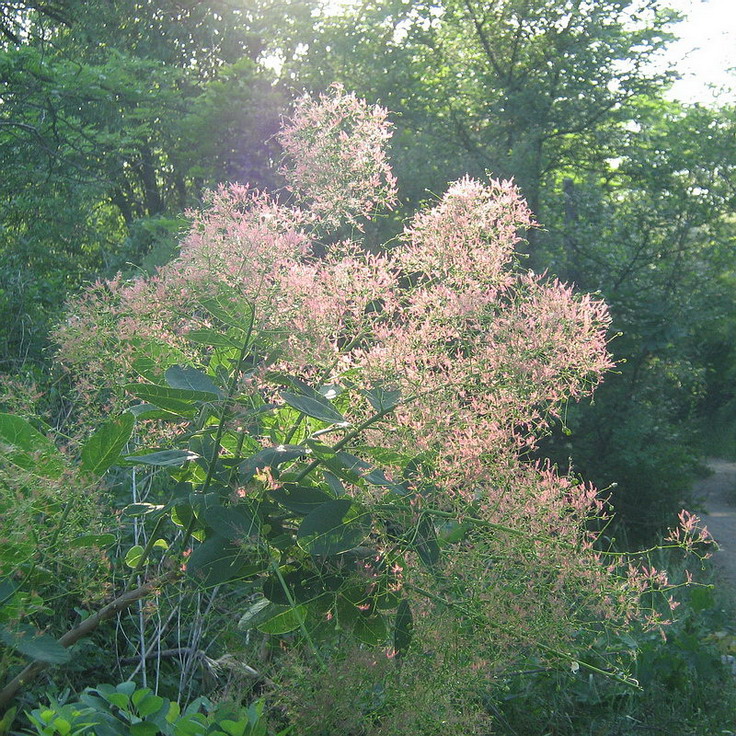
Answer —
719 499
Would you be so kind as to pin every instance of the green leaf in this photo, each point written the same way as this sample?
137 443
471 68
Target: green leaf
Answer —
303 586
299 499
317 408
283 619
452 532
181 401
301 387
250 619
270 457
149 411
190 379
93 540
229 312
15 553
127 688
234 728
133 556
216 561
425 542
163 458
382 399
41 647
371 630
28 448
353 469
333 527
233 523
144 729
103 448
182 515
403 628
146 702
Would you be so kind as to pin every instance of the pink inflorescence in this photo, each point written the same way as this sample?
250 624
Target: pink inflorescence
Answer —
483 352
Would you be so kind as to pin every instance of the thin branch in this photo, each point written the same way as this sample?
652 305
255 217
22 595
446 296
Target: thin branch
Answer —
31 671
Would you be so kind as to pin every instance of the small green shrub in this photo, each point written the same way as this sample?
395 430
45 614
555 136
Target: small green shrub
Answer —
124 710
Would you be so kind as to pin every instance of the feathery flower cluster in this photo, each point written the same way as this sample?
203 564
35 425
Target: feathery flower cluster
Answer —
336 159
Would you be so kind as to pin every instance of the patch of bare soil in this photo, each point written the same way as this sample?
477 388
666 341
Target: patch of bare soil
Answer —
719 500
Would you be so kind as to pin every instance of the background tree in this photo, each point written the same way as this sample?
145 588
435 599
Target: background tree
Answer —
654 234
114 118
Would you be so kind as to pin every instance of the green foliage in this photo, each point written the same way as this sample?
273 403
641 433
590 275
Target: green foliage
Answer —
518 89
125 710
685 685
114 126
40 647
652 233
107 133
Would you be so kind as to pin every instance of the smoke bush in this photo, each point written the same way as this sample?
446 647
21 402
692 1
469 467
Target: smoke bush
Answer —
471 353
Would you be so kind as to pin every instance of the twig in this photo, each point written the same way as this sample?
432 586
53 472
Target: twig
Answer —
127 599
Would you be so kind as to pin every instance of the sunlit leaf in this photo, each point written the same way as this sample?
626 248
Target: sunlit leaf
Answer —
134 555
103 448
317 408
163 458
184 402
270 457
191 379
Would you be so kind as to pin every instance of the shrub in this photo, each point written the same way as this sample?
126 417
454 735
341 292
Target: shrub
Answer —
341 438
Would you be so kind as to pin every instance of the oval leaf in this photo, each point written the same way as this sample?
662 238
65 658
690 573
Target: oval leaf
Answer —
41 647
216 561
317 408
251 618
370 630
133 556
186 377
103 448
233 523
333 527
300 499
283 620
